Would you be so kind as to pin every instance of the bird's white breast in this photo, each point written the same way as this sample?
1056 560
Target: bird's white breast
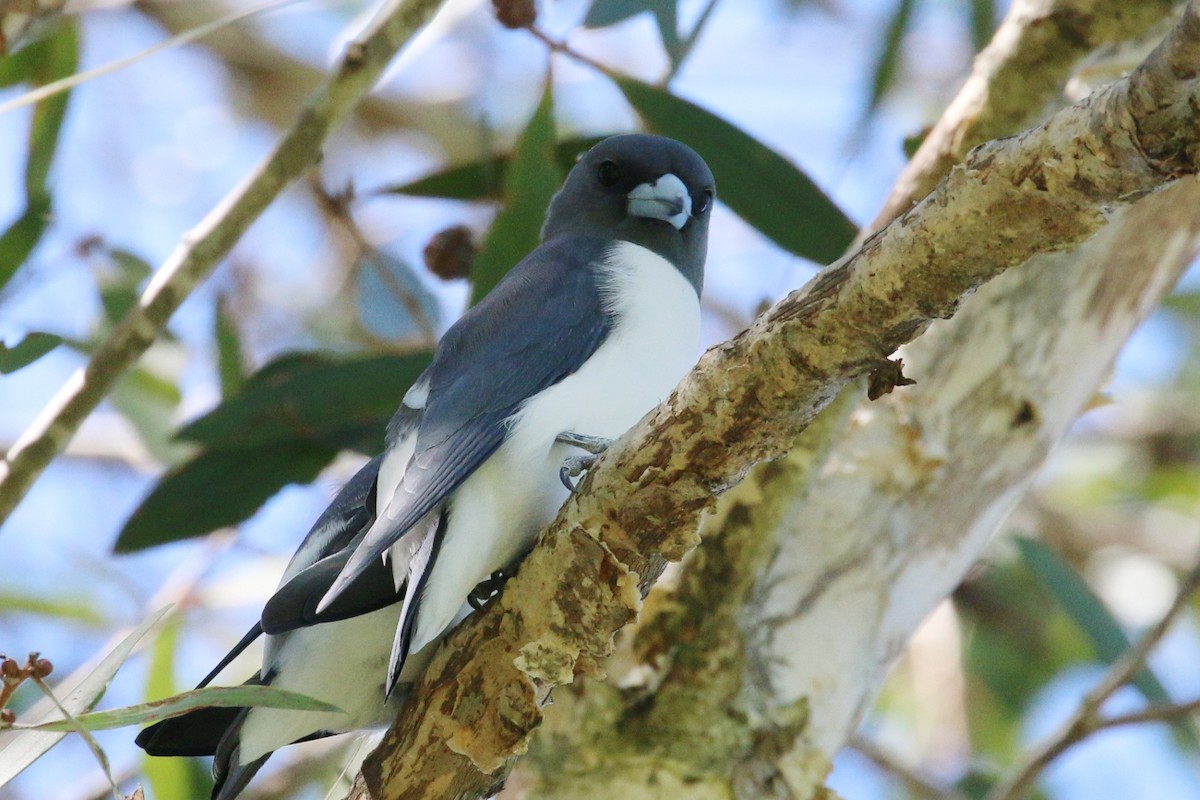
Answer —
496 513
653 342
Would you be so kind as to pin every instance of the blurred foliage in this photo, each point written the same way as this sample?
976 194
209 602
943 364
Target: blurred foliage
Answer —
530 181
284 426
54 56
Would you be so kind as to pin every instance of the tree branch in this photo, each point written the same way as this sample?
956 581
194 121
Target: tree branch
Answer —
1047 189
204 246
1021 70
1087 720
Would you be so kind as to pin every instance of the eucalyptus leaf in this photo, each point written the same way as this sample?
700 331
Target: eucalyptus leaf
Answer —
32 347
311 397
20 749
217 489
887 65
483 179
1093 618
530 183
758 184
180 704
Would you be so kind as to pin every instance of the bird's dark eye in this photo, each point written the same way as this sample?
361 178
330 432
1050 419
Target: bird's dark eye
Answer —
609 173
705 202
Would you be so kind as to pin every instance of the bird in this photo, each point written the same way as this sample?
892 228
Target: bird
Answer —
575 344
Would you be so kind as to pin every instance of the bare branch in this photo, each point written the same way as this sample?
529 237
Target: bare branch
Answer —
917 784
1047 189
1087 720
203 247
1021 70
1161 713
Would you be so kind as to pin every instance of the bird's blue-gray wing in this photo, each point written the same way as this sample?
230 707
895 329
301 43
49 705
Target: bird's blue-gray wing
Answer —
321 557
539 325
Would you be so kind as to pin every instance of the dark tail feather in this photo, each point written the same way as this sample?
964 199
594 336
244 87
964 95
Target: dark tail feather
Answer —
404 633
230 776
197 733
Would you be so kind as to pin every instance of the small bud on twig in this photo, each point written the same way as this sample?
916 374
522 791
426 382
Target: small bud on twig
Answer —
450 253
515 14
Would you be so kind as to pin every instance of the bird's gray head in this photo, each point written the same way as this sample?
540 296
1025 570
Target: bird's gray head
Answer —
649 190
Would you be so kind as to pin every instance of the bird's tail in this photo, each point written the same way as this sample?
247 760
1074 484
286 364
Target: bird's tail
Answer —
230 776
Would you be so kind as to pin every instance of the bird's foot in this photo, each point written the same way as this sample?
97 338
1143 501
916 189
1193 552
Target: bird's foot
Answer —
487 589
592 444
574 466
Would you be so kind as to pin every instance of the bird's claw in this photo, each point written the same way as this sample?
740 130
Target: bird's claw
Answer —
592 444
573 467
487 589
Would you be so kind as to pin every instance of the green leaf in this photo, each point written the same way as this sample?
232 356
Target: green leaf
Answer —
180 704
532 180
983 22
121 288
168 777
758 184
18 241
26 747
63 605
1092 617
58 58
610 12
883 77
217 489
26 351
150 402
230 365
482 180
311 397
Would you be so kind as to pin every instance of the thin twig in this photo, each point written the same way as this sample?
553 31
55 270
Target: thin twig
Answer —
364 60
1087 720
1160 713
71 81
337 208
916 783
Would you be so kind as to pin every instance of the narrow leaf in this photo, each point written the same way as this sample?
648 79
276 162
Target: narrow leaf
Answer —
484 179
758 184
62 605
26 351
121 287
230 365
26 747
18 241
312 397
1090 615
531 181
58 59
218 489
883 77
610 12
180 704
983 22
168 777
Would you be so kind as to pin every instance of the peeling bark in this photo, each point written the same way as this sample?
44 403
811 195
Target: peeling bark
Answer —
1046 190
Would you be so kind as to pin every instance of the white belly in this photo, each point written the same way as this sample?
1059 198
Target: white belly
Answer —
496 514
343 663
